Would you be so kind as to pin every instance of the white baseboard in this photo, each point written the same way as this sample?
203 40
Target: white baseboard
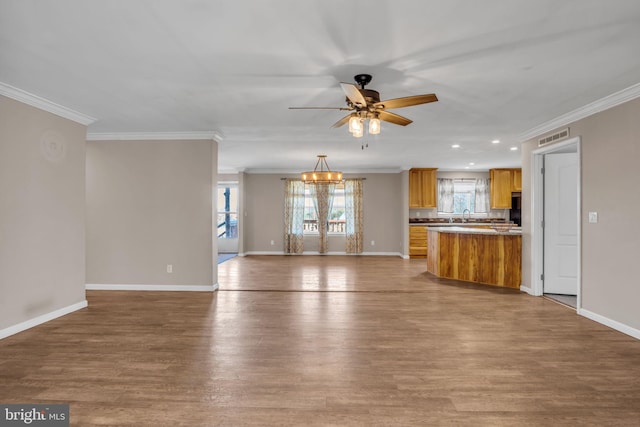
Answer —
12 330
527 289
625 329
314 253
138 287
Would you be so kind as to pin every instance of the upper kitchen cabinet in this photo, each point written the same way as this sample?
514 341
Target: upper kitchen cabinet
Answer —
503 183
423 188
517 180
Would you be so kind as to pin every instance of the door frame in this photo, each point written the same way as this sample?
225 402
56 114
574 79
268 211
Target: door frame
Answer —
537 214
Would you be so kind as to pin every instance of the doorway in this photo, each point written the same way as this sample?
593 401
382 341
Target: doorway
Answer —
556 222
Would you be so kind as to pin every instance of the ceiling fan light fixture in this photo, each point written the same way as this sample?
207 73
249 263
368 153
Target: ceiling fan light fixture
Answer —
359 133
374 126
321 173
355 125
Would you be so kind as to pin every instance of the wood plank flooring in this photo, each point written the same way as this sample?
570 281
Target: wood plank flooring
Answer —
326 341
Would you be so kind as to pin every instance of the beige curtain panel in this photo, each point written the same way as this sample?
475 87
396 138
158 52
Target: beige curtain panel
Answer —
294 216
353 215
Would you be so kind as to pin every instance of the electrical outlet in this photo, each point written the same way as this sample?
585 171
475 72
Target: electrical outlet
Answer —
169 268
273 243
373 243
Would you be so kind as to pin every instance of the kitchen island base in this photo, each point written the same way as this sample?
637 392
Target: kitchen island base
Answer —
488 257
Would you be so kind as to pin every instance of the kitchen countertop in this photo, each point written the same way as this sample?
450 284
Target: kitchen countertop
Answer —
516 231
456 221
454 224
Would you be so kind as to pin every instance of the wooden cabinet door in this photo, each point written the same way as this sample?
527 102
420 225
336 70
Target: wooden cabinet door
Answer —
423 188
417 241
415 189
517 180
500 187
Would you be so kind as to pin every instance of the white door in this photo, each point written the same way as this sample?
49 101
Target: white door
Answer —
561 224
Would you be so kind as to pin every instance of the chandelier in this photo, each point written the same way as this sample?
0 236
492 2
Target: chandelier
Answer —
321 173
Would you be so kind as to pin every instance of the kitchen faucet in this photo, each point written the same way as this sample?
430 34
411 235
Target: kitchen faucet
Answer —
468 218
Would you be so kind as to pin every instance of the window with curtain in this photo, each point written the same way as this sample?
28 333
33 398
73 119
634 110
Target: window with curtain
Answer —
457 195
336 222
339 204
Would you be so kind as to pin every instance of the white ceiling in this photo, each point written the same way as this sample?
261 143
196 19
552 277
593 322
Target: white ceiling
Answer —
499 68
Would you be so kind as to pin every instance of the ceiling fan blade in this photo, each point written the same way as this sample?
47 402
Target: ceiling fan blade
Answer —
342 121
320 108
354 95
393 118
407 101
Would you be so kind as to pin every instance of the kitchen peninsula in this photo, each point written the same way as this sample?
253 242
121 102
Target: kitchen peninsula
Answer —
485 256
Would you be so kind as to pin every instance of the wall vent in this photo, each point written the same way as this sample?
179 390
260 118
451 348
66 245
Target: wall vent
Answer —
563 134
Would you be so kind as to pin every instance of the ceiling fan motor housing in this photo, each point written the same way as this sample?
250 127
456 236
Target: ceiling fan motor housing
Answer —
363 79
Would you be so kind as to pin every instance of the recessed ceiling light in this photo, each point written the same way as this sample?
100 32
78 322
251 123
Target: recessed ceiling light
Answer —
471 163
513 148
466 167
455 146
495 141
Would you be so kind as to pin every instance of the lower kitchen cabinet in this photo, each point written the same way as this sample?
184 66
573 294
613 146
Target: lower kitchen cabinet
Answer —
417 241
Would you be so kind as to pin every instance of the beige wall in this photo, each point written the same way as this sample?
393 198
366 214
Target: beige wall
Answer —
384 221
42 240
149 204
610 151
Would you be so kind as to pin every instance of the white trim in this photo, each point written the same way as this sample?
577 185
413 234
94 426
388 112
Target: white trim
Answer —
537 213
153 136
139 287
526 289
316 253
625 329
44 104
12 330
602 104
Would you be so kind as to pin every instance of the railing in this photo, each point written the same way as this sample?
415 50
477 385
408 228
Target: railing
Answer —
335 226
229 231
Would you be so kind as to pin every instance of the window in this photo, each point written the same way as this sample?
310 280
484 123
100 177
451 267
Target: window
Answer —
336 215
457 195
464 196
227 210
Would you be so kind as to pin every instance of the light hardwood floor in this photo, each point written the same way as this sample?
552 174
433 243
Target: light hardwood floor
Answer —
326 341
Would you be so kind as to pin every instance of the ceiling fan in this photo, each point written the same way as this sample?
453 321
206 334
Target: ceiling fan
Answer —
365 104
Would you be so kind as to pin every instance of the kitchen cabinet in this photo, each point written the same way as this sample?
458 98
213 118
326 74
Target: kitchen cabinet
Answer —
517 180
503 183
417 241
423 188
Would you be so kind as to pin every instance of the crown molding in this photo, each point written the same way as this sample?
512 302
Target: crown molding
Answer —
153 136
602 104
44 104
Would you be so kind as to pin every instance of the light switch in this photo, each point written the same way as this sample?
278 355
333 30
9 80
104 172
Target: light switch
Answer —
593 217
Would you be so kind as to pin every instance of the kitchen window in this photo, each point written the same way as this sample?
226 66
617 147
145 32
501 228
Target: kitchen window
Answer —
455 196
